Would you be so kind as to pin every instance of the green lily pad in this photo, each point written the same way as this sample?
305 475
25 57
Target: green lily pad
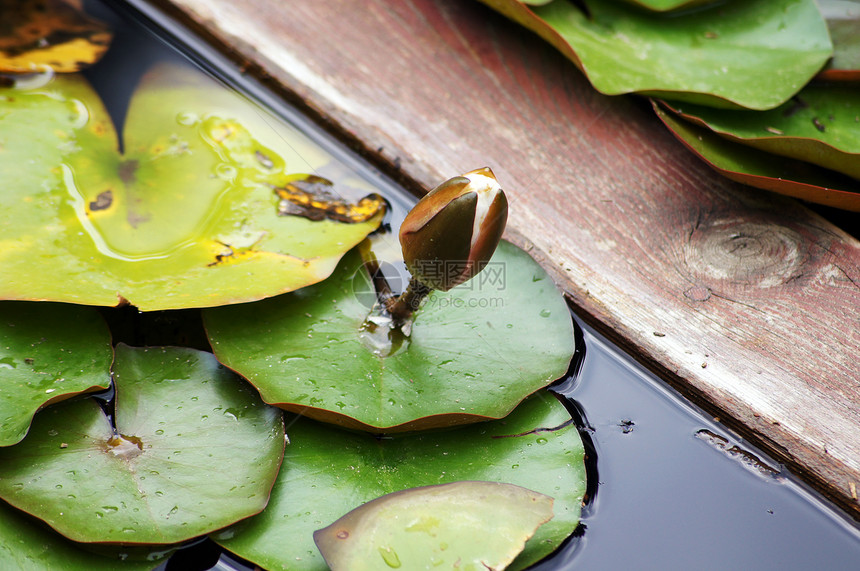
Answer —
436 526
48 353
655 5
764 170
843 21
26 545
821 125
740 53
668 5
473 354
194 450
200 209
334 471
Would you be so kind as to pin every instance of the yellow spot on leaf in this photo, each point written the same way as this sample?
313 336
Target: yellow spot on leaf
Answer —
49 34
314 198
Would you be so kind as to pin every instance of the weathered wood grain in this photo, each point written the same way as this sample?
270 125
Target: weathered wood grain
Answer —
748 302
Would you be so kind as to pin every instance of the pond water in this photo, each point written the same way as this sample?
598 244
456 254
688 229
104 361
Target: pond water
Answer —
669 487
673 493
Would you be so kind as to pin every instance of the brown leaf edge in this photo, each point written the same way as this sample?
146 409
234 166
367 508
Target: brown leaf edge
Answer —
802 180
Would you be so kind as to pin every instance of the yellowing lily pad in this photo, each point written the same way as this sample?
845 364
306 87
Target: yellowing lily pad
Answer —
764 170
194 450
37 35
333 470
474 352
199 209
740 53
48 353
462 525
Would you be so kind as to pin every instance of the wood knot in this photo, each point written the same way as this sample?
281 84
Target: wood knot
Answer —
698 293
740 253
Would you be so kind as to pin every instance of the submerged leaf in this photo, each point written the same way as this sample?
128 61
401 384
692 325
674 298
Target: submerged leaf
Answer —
764 170
188 216
474 352
36 35
194 450
48 353
741 53
462 525
537 447
821 125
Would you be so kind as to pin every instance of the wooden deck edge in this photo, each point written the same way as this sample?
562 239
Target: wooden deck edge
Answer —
803 409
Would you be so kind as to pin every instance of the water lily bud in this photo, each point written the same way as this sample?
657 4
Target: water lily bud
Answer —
452 232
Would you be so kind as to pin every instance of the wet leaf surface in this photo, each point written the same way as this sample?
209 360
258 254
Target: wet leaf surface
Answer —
474 351
843 21
764 170
462 525
187 216
26 545
730 54
821 125
39 34
48 353
194 450
335 471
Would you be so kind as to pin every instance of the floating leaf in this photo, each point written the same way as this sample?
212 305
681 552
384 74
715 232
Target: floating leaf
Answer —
474 351
194 213
843 21
26 545
820 125
48 353
466 525
333 471
194 450
764 170
668 5
741 53
49 34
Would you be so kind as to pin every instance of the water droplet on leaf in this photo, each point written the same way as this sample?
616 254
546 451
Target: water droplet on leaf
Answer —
390 557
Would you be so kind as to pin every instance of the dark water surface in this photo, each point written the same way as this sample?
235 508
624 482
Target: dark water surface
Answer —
670 496
671 488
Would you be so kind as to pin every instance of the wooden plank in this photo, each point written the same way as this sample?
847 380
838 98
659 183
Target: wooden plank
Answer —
747 302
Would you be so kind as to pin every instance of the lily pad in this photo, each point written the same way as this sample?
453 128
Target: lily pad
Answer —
764 170
194 450
36 35
445 525
26 545
474 352
334 471
740 53
843 21
668 5
48 353
199 210
821 125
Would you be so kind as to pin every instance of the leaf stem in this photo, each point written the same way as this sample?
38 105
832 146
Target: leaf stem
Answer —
402 307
